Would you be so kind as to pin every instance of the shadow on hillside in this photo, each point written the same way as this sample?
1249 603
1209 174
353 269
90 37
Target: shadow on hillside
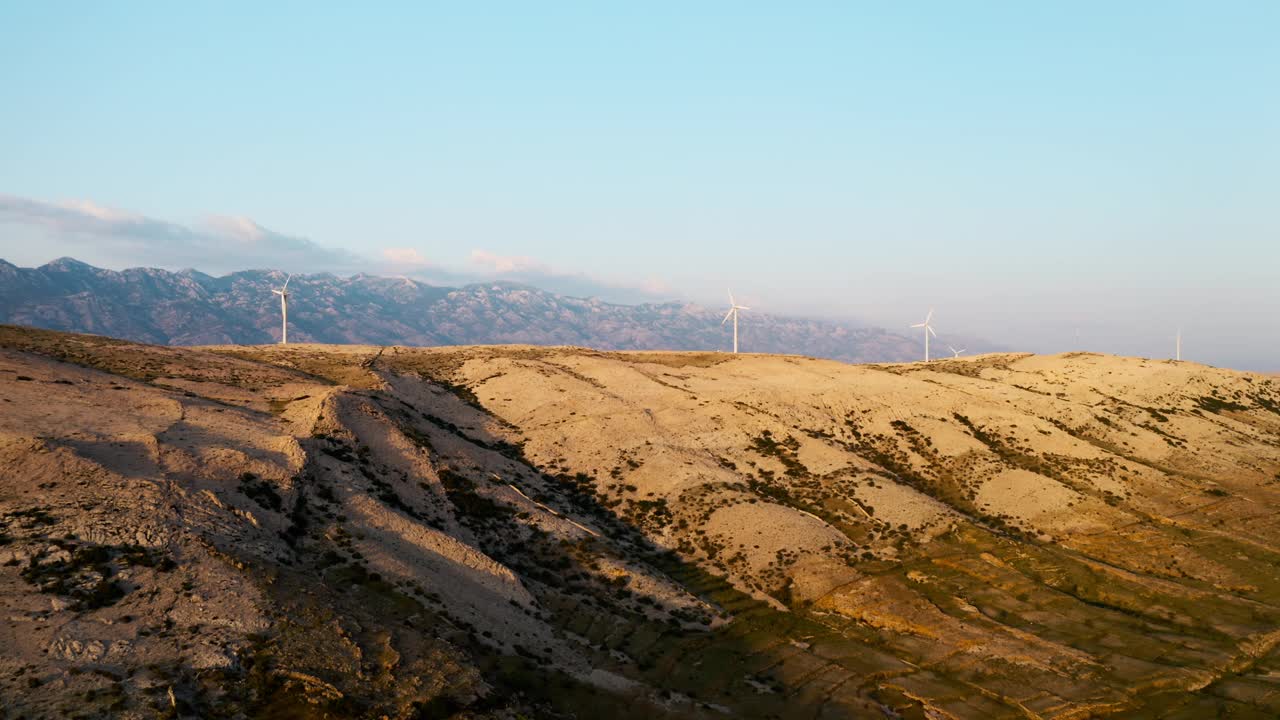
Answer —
754 666
763 664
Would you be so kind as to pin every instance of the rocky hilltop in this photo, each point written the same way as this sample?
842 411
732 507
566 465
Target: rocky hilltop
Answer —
500 532
191 308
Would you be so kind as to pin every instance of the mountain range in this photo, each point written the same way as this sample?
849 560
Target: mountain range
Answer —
191 308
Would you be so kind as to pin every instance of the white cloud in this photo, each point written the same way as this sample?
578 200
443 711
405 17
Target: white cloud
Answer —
34 232
656 286
99 212
241 228
524 269
506 264
115 238
405 257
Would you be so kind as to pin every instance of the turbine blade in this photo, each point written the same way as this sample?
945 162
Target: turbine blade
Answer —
731 302
743 307
286 281
727 316
918 325
928 317
930 329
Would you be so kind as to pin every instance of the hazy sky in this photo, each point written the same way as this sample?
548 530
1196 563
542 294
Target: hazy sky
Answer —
1037 171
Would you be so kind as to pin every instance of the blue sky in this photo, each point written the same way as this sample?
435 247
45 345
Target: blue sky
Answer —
1037 171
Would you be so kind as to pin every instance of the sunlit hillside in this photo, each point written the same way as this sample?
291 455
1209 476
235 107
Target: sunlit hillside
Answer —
496 532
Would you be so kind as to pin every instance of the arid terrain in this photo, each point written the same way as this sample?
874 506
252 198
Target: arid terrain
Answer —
513 531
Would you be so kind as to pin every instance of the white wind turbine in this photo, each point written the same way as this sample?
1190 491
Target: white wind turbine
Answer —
1178 345
955 352
734 307
284 310
928 330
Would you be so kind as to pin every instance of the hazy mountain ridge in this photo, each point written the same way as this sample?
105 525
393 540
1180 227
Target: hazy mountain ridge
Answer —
349 531
191 308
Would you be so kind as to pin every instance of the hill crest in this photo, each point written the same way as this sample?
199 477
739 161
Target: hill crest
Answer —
538 530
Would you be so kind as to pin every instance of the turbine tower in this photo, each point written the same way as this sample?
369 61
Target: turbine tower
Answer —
1178 345
734 307
928 330
284 310
955 352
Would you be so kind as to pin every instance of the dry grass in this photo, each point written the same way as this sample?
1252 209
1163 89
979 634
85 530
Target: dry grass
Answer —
983 537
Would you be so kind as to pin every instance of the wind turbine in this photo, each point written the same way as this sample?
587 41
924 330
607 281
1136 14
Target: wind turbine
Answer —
734 307
1178 345
955 352
928 330
284 310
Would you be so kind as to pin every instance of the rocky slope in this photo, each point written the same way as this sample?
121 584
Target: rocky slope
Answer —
321 531
190 308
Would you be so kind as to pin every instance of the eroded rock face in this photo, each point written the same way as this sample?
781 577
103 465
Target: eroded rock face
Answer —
332 530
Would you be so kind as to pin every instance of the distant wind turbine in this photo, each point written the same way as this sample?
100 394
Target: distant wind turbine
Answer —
928 330
734 307
955 352
1178 345
284 310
